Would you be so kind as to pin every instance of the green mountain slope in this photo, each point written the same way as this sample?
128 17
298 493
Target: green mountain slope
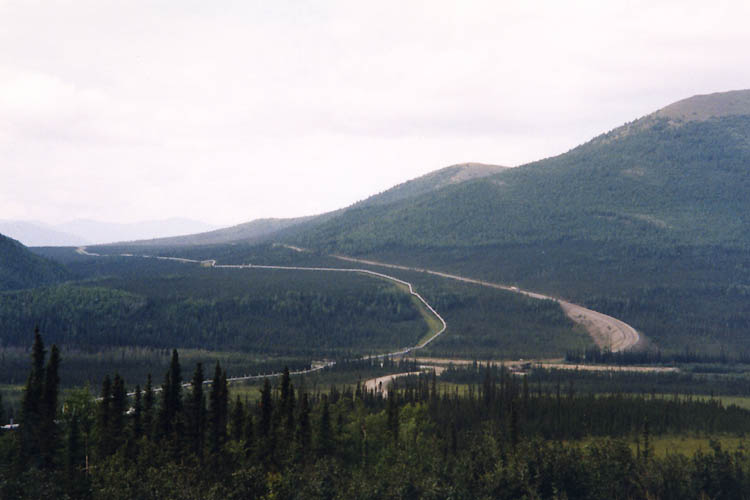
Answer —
254 231
261 230
654 179
19 268
649 222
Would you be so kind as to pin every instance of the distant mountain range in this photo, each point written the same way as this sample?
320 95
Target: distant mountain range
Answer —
87 232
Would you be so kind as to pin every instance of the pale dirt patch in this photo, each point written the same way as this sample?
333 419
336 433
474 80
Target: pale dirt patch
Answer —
380 385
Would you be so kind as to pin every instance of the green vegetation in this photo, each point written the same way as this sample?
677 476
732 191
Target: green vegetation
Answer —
501 438
487 323
482 322
19 268
656 384
647 223
262 311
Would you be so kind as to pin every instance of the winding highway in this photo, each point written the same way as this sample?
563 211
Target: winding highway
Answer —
212 263
606 331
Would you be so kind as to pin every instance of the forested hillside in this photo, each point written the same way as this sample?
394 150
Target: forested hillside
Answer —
659 184
648 222
170 304
19 268
263 230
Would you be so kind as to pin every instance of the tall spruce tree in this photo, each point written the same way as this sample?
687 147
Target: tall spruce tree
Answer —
48 435
304 431
148 408
137 422
196 413
266 410
31 405
219 409
324 441
74 459
249 433
286 404
117 412
171 403
104 415
266 441
392 412
237 424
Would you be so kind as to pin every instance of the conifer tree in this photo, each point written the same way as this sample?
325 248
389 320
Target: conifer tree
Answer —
148 408
31 405
304 433
196 412
48 435
238 419
74 459
117 412
392 413
105 443
171 402
249 433
285 385
266 409
324 439
137 413
287 404
219 409
290 422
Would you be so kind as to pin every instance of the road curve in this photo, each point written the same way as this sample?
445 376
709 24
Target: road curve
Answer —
606 331
212 263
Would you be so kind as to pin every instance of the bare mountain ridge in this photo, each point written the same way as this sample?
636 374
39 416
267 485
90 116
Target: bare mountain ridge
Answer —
707 106
251 231
438 179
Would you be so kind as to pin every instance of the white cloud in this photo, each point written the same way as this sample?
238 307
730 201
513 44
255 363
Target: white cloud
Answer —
227 112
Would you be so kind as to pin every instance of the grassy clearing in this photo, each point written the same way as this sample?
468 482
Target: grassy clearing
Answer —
689 445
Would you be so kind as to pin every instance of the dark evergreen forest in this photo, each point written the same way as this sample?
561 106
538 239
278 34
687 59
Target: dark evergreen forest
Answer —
500 438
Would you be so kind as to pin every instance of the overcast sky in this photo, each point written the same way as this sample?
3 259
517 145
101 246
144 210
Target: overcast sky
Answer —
231 111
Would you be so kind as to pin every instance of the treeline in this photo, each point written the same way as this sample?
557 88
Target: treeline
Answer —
655 357
83 368
501 439
658 384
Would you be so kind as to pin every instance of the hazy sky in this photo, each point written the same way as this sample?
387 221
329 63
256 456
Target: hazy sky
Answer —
230 111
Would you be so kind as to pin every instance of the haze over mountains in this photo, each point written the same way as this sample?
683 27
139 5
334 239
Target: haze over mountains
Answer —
87 232
260 230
